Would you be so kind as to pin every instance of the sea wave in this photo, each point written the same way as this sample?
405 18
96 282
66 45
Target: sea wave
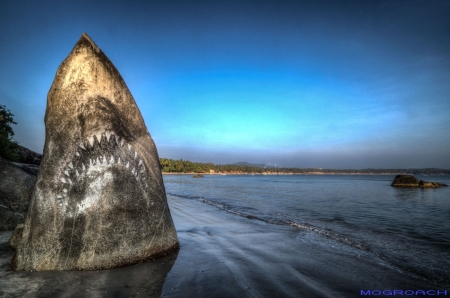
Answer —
305 226
431 274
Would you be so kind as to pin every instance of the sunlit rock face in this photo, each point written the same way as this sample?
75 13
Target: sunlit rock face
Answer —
99 200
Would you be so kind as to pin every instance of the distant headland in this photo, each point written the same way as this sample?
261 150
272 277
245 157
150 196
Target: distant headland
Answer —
170 166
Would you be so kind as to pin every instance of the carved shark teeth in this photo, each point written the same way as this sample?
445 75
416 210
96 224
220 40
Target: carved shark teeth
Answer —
140 163
99 137
91 141
82 201
112 159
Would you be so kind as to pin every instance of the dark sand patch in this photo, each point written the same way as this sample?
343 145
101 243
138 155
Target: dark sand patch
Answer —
221 255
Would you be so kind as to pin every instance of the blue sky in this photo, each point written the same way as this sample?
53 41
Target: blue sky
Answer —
330 84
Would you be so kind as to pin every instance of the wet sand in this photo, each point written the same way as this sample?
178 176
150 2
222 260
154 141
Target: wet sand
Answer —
221 255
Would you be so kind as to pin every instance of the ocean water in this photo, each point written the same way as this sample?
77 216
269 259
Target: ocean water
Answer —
407 229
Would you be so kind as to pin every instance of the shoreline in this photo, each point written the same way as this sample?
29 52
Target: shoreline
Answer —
298 174
223 255
226 255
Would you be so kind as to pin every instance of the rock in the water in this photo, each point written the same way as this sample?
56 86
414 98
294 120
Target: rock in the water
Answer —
411 181
16 187
99 200
405 181
16 236
426 184
198 176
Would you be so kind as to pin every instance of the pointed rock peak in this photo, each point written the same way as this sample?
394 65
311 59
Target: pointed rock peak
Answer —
86 39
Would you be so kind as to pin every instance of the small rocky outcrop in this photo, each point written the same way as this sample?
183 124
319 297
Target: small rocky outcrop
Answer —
405 181
411 181
426 184
198 176
16 187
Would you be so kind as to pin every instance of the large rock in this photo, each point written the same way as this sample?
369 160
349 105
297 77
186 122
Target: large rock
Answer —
16 187
405 181
411 181
99 200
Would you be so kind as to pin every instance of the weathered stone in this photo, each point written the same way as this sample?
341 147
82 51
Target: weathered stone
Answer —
31 169
405 181
99 200
28 156
16 236
426 184
16 188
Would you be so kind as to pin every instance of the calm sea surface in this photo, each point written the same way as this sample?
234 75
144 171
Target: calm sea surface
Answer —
404 228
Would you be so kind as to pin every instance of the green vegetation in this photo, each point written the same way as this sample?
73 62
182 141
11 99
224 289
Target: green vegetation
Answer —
185 166
8 147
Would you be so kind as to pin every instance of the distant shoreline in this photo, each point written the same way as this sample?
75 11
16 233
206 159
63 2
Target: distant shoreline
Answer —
172 167
297 174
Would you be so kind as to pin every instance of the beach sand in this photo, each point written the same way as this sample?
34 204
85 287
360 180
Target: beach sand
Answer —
221 255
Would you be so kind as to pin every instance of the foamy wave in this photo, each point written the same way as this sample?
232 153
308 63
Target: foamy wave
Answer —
305 226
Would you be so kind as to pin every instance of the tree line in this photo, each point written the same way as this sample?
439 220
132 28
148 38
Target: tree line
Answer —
185 166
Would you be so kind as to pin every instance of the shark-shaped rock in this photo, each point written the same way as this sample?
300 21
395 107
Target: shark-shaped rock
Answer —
99 200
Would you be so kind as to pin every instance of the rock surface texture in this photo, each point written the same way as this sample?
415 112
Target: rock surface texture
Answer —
405 181
16 236
28 156
411 181
426 184
99 200
16 188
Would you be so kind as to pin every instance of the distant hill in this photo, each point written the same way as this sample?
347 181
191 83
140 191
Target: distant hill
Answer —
247 164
